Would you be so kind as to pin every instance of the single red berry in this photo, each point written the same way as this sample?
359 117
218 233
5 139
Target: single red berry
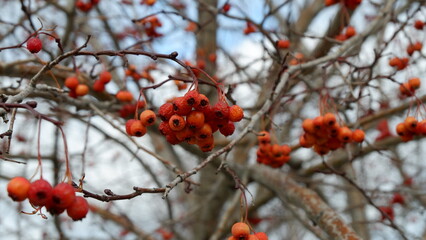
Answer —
191 98
177 122
98 86
172 139
165 129
240 230
221 110
397 198
52 208
165 111
181 107
418 24
63 195
227 129
204 132
387 211
358 135
283 44
17 188
226 7
236 113
135 128
124 96
40 192
261 236
105 77
206 144
78 209
195 120
71 82
147 117
203 102
264 137
34 45
344 134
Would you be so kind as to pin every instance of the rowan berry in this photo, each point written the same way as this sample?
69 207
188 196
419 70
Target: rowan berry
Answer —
283 44
358 135
105 77
240 230
195 119
124 96
147 117
329 119
261 236
185 134
264 137
181 107
228 129
397 198
81 90
78 209
318 123
165 111
63 195
171 138
414 83
410 124
252 237
221 110
236 113
40 192
350 32
401 129
98 86
177 122
203 102
344 134
165 129
418 24
71 82
308 125
34 45
206 144
18 188
192 98
204 132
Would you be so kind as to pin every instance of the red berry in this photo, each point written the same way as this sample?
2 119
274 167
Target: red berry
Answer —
165 129
165 111
17 188
418 24
240 230
195 120
40 192
236 113
226 7
98 86
147 117
191 98
105 77
358 135
78 209
177 122
71 82
227 129
203 102
221 110
261 236
34 45
135 128
283 44
204 132
397 198
63 195
181 107
81 90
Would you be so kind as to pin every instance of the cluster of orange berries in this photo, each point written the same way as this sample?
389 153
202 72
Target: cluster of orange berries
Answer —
349 32
151 24
86 6
409 88
399 63
410 128
351 4
77 89
137 128
273 155
417 46
324 133
99 84
241 231
190 118
56 199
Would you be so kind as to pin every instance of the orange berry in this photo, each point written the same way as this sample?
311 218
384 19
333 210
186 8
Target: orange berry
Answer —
329 119
261 236
135 128
283 44
308 125
318 123
203 102
105 77
333 144
124 96
414 83
421 127
417 46
204 132
410 49
236 113
195 120
401 130
405 89
344 134
393 62
185 134
252 237
285 149
17 188
264 137
81 90
177 122
408 137
330 2
350 32
410 124
191 98
304 143
321 150
206 144
147 117
240 230
358 135
71 82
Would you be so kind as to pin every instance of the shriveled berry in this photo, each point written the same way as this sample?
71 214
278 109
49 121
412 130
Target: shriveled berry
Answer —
147 117
203 102
40 192
181 107
18 188
164 128
78 209
34 45
165 111
221 110
227 129
63 195
191 98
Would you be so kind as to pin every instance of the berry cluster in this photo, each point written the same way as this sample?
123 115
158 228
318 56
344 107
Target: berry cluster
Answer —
324 133
34 45
99 84
190 118
417 46
397 198
410 128
349 32
398 63
56 199
77 89
241 231
86 6
273 155
409 88
137 128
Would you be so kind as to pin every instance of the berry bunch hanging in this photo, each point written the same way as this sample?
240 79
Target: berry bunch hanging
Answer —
241 231
77 89
409 88
191 118
99 84
410 128
55 199
273 155
324 133
137 127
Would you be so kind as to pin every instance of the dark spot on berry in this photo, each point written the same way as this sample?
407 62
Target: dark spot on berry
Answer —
203 103
41 195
